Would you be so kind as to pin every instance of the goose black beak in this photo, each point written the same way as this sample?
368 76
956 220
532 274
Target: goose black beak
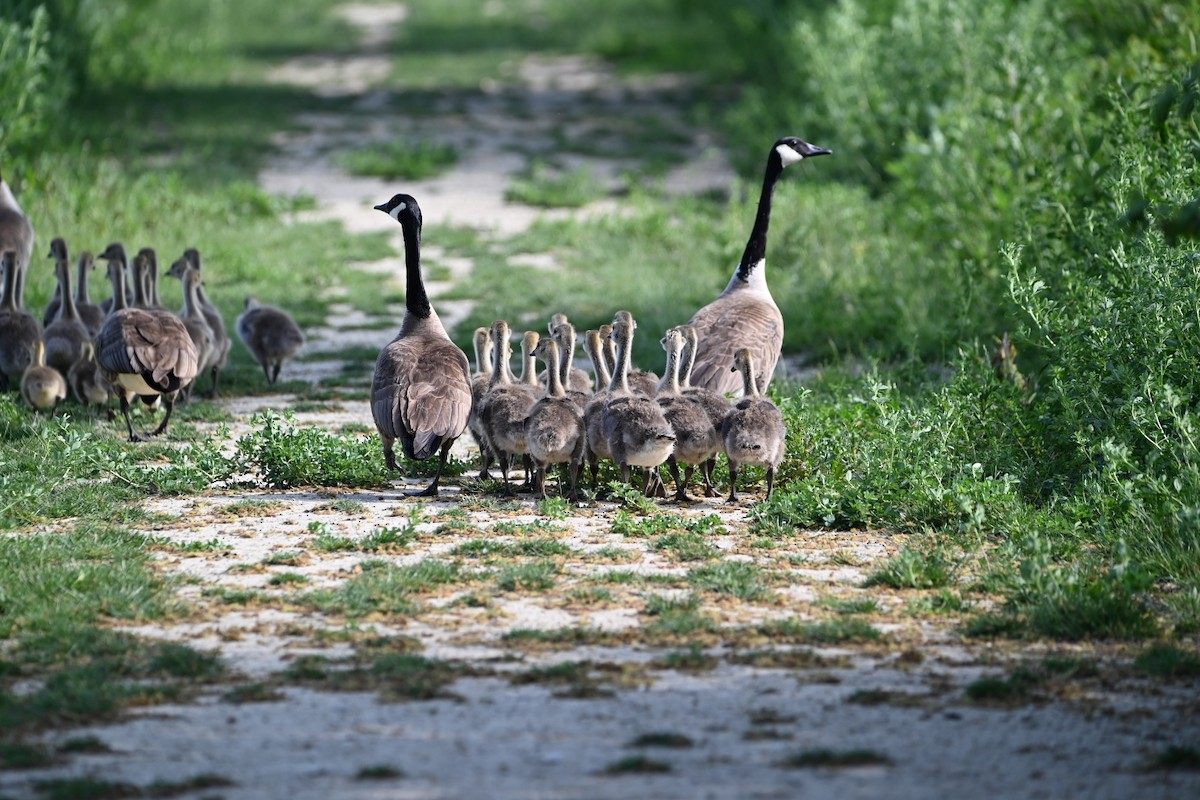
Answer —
381 207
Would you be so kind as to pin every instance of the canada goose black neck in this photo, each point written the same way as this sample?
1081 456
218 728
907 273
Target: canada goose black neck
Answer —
784 152
404 209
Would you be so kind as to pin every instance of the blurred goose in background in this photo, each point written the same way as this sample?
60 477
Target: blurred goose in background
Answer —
421 392
16 234
18 328
745 314
143 353
753 430
89 313
42 387
86 382
269 333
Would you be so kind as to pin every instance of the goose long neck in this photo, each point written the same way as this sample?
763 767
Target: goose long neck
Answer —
483 354
66 307
565 353
191 300
749 385
416 300
619 384
688 358
140 294
554 385
39 353
81 286
670 379
528 365
595 351
755 254
501 372
116 275
10 285
152 281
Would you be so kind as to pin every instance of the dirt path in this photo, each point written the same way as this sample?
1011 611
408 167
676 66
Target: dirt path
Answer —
476 647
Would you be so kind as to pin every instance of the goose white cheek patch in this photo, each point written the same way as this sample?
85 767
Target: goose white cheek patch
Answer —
787 155
395 212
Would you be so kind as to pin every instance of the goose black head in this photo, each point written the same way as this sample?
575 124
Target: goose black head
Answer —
116 250
58 248
790 150
401 206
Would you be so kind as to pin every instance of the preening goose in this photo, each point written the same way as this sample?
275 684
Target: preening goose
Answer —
554 428
18 328
271 336
212 315
143 353
16 234
637 432
745 314
753 430
42 387
421 394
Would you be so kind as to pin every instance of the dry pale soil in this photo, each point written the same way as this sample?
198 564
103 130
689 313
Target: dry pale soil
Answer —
608 703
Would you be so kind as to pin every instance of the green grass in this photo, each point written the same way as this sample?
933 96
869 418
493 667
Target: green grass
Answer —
1168 661
399 158
544 186
912 569
661 739
386 588
636 765
738 579
534 576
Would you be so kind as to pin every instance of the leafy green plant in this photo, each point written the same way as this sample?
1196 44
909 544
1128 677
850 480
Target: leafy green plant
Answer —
286 455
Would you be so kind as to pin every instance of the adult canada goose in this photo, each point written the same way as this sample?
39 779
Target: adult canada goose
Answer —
86 382
506 403
197 327
554 428
479 385
18 328
753 430
270 334
221 340
42 387
143 353
421 393
745 314
593 410
696 438
637 432
16 234
66 332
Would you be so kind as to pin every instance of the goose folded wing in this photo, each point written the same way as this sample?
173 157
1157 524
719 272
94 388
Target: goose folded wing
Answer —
724 330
